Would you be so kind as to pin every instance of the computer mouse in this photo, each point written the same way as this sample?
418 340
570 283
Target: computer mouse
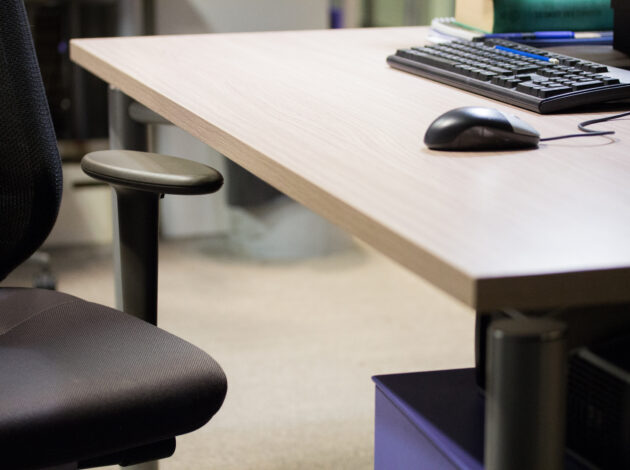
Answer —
479 128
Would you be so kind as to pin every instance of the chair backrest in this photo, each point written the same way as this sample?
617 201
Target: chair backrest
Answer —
30 168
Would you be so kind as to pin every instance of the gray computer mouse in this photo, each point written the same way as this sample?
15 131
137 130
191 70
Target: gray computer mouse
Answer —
479 128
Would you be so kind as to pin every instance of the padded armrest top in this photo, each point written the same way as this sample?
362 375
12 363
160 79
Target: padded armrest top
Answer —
151 172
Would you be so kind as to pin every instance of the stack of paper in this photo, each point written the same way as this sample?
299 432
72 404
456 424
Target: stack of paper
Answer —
449 29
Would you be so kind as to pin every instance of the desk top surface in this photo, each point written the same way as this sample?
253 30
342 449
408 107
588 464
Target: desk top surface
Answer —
320 115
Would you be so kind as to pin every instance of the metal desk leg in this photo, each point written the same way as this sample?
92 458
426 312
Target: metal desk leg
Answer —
526 384
143 466
124 133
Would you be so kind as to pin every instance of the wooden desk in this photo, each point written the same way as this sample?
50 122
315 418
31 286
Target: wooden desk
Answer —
320 116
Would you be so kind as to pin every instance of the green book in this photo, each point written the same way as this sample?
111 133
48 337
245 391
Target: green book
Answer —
508 16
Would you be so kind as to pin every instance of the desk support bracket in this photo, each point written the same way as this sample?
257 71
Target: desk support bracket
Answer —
522 359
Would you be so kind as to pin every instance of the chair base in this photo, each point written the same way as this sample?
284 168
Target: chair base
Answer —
137 455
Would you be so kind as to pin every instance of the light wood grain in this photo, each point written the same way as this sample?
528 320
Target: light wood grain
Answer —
320 115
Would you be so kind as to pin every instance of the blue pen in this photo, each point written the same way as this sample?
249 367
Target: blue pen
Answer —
551 35
528 54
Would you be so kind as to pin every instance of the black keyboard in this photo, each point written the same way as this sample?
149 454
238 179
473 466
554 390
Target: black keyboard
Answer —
550 83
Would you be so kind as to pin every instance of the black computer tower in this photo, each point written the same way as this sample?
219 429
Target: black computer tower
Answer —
77 99
598 404
621 37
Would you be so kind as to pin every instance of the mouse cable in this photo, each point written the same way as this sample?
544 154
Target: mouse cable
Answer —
589 132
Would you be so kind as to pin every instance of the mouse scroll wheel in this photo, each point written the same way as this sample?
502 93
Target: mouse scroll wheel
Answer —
521 127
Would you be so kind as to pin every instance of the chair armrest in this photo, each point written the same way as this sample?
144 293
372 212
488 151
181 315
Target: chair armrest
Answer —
138 180
151 172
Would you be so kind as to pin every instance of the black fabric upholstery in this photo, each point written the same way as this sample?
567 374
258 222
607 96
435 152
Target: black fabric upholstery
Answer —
80 380
30 169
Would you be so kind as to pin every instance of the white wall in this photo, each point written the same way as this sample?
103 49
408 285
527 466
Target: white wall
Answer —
223 16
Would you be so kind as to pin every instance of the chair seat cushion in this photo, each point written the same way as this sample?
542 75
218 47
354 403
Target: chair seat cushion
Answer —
80 380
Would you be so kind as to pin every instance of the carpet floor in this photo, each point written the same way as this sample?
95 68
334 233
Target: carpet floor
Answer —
299 342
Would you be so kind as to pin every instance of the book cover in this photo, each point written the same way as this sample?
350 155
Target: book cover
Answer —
477 13
504 16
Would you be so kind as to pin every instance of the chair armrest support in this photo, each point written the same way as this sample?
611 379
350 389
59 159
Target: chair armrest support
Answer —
138 180
151 172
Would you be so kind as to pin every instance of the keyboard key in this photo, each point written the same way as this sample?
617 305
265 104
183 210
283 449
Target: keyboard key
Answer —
591 67
586 84
553 91
569 61
526 69
498 70
429 59
464 70
550 72
528 88
599 68
610 81
483 75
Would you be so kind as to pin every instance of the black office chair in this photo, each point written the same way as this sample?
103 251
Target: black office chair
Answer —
81 384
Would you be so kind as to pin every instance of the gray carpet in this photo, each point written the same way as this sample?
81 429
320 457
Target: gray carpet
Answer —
299 342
